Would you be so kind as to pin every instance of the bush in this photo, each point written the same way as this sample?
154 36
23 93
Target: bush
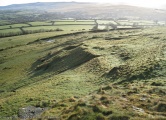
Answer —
58 29
117 117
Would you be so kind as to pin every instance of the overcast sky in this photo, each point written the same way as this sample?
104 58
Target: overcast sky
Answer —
143 3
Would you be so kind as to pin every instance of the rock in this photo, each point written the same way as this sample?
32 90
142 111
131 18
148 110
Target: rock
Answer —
138 109
76 97
142 99
30 112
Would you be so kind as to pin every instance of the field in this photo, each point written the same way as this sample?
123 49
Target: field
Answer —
77 73
63 27
4 22
45 26
69 25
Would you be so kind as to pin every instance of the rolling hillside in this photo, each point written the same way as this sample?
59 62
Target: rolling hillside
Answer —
82 61
92 10
89 75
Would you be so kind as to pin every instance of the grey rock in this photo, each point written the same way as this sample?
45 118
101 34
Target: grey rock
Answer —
30 112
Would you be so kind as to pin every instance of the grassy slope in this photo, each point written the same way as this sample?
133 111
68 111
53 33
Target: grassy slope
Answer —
19 41
44 72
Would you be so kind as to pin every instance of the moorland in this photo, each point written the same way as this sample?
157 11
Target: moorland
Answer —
67 65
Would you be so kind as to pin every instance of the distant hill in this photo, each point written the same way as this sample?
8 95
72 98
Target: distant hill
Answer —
39 5
92 10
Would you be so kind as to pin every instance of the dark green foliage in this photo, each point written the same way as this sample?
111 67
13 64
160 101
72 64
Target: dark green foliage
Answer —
161 107
118 117
157 84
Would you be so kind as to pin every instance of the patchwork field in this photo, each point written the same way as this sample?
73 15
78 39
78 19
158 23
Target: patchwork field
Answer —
69 25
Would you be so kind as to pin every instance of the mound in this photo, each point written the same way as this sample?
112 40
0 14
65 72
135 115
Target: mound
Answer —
65 59
149 62
110 59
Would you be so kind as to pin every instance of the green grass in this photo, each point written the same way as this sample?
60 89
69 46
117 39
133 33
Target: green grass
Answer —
5 26
126 23
13 26
19 25
140 22
74 22
105 65
77 25
4 22
80 26
64 27
85 20
41 27
39 23
17 76
66 20
105 21
18 40
15 30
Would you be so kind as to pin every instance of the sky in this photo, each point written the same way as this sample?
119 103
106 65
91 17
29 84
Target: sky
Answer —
142 3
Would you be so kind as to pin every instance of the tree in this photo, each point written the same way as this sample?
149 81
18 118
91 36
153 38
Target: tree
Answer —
95 28
156 22
135 24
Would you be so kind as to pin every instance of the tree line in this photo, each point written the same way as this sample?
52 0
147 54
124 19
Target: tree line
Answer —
24 32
